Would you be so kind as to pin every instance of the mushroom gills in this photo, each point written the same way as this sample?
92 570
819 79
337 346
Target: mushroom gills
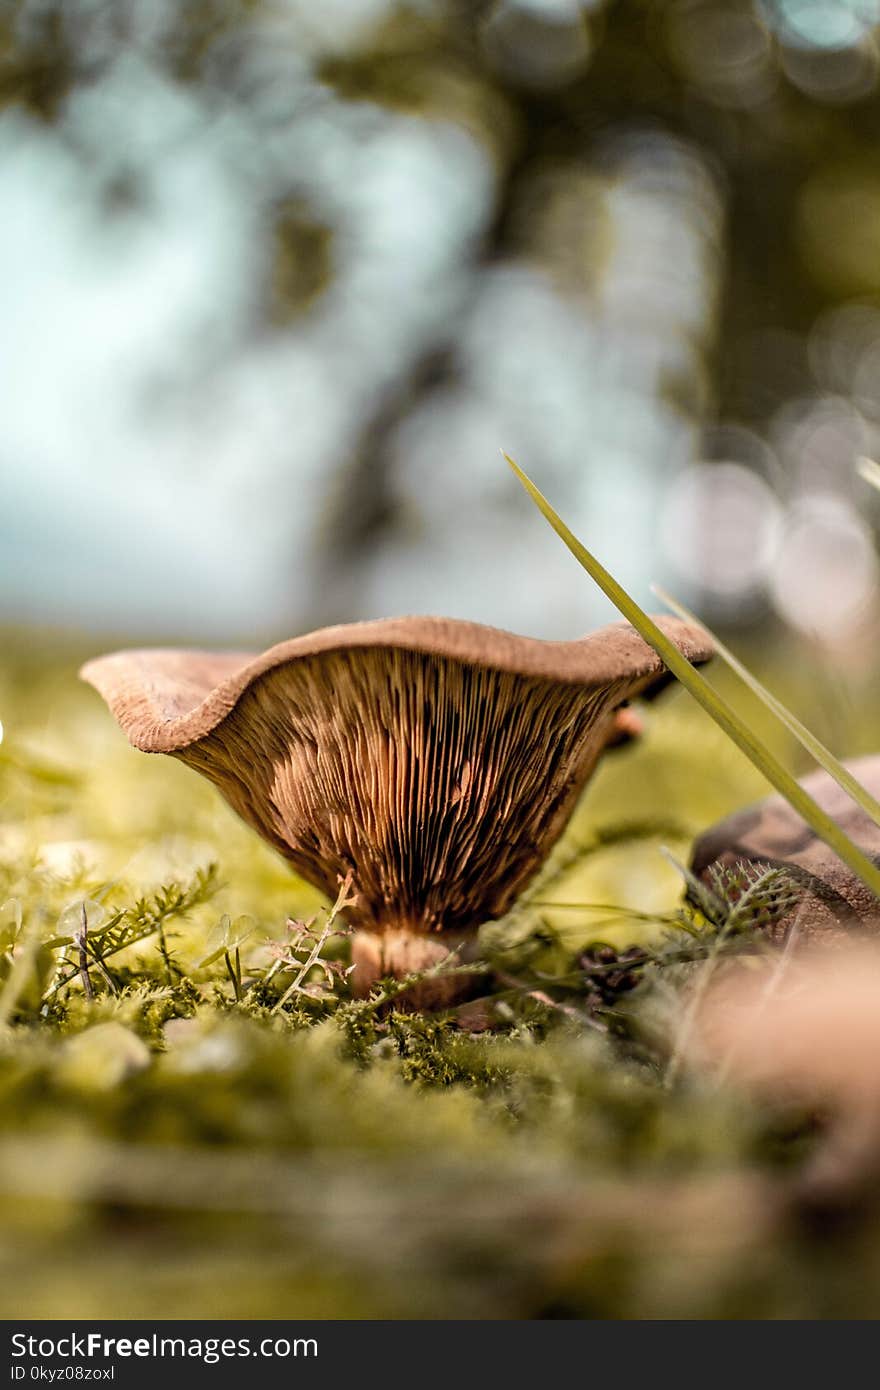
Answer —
436 788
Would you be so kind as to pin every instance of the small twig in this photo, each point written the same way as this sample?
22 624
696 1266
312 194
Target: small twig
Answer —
234 971
165 954
80 938
319 942
108 979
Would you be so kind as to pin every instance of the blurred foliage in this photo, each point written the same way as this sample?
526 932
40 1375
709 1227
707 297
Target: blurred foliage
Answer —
179 1140
788 118
619 238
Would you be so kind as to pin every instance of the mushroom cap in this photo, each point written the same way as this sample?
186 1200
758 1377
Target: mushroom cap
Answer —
834 899
438 760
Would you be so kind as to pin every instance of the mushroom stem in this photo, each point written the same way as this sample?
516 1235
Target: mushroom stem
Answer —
399 952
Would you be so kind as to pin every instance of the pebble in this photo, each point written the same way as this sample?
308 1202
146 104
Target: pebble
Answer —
835 901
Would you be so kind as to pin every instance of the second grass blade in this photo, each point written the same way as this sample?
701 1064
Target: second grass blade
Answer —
823 756
705 694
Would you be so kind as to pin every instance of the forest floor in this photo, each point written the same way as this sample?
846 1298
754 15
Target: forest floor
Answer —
183 1131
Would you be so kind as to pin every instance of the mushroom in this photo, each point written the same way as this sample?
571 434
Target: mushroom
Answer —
437 761
833 900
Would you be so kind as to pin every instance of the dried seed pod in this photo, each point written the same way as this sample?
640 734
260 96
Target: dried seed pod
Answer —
833 900
436 760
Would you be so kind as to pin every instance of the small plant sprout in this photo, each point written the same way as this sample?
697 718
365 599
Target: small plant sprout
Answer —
227 940
302 953
435 762
111 932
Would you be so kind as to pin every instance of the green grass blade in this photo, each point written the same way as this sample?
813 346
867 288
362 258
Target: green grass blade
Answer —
705 695
823 756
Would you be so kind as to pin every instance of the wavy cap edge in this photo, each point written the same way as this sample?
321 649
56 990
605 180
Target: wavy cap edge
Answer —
166 699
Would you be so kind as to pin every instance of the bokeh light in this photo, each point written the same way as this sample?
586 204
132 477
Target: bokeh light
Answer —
721 526
724 50
824 580
832 75
821 24
539 43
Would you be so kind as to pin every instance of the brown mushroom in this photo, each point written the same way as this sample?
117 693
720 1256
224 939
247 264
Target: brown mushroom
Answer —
833 900
435 760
